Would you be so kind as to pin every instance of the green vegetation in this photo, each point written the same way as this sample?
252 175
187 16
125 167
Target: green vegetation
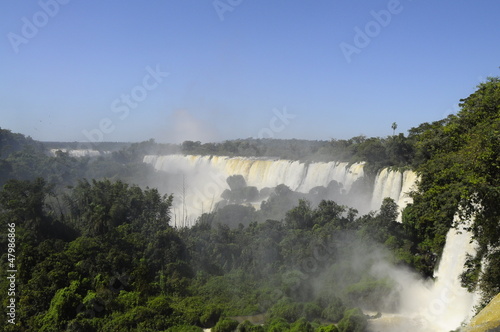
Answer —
459 161
107 259
101 255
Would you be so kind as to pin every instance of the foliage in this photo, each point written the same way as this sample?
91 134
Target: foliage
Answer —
329 328
184 328
125 268
353 321
277 325
225 325
301 325
287 309
459 162
246 326
334 310
101 255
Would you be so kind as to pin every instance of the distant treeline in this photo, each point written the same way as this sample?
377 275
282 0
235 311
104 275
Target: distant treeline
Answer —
397 150
99 146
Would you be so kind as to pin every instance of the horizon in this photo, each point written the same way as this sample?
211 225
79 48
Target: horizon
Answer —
203 142
224 70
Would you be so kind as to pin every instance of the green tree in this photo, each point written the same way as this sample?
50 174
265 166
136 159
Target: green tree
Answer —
329 328
101 206
334 310
225 325
301 325
353 321
301 216
458 160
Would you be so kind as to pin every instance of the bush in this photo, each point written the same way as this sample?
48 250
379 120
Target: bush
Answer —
354 321
277 325
225 325
329 328
334 311
312 310
185 328
287 309
210 316
301 325
246 326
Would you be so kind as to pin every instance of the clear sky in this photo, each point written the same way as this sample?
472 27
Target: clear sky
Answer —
175 70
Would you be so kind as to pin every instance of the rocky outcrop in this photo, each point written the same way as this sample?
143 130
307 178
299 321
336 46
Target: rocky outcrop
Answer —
488 319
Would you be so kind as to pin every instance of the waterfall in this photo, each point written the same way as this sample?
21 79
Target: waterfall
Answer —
439 305
202 179
261 172
457 302
320 174
396 185
80 153
426 305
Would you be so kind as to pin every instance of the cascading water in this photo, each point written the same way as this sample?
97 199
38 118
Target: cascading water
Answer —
441 305
202 179
394 184
457 302
80 153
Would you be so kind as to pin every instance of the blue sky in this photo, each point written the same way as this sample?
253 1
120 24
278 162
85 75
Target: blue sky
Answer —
207 70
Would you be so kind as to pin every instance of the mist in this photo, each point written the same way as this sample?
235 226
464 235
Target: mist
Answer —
200 181
404 299
400 299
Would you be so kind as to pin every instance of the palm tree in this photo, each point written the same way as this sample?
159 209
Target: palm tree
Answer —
394 127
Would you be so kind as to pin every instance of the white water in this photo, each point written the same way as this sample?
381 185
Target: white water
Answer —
80 153
260 172
441 305
396 185
202 179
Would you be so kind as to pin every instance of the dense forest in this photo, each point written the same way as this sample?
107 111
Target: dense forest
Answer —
95 249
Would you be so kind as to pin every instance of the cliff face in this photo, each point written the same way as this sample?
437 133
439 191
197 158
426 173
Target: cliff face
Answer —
488 319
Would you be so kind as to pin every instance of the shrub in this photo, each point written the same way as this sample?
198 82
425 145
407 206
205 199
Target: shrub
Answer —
225 325
354 321
301 325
